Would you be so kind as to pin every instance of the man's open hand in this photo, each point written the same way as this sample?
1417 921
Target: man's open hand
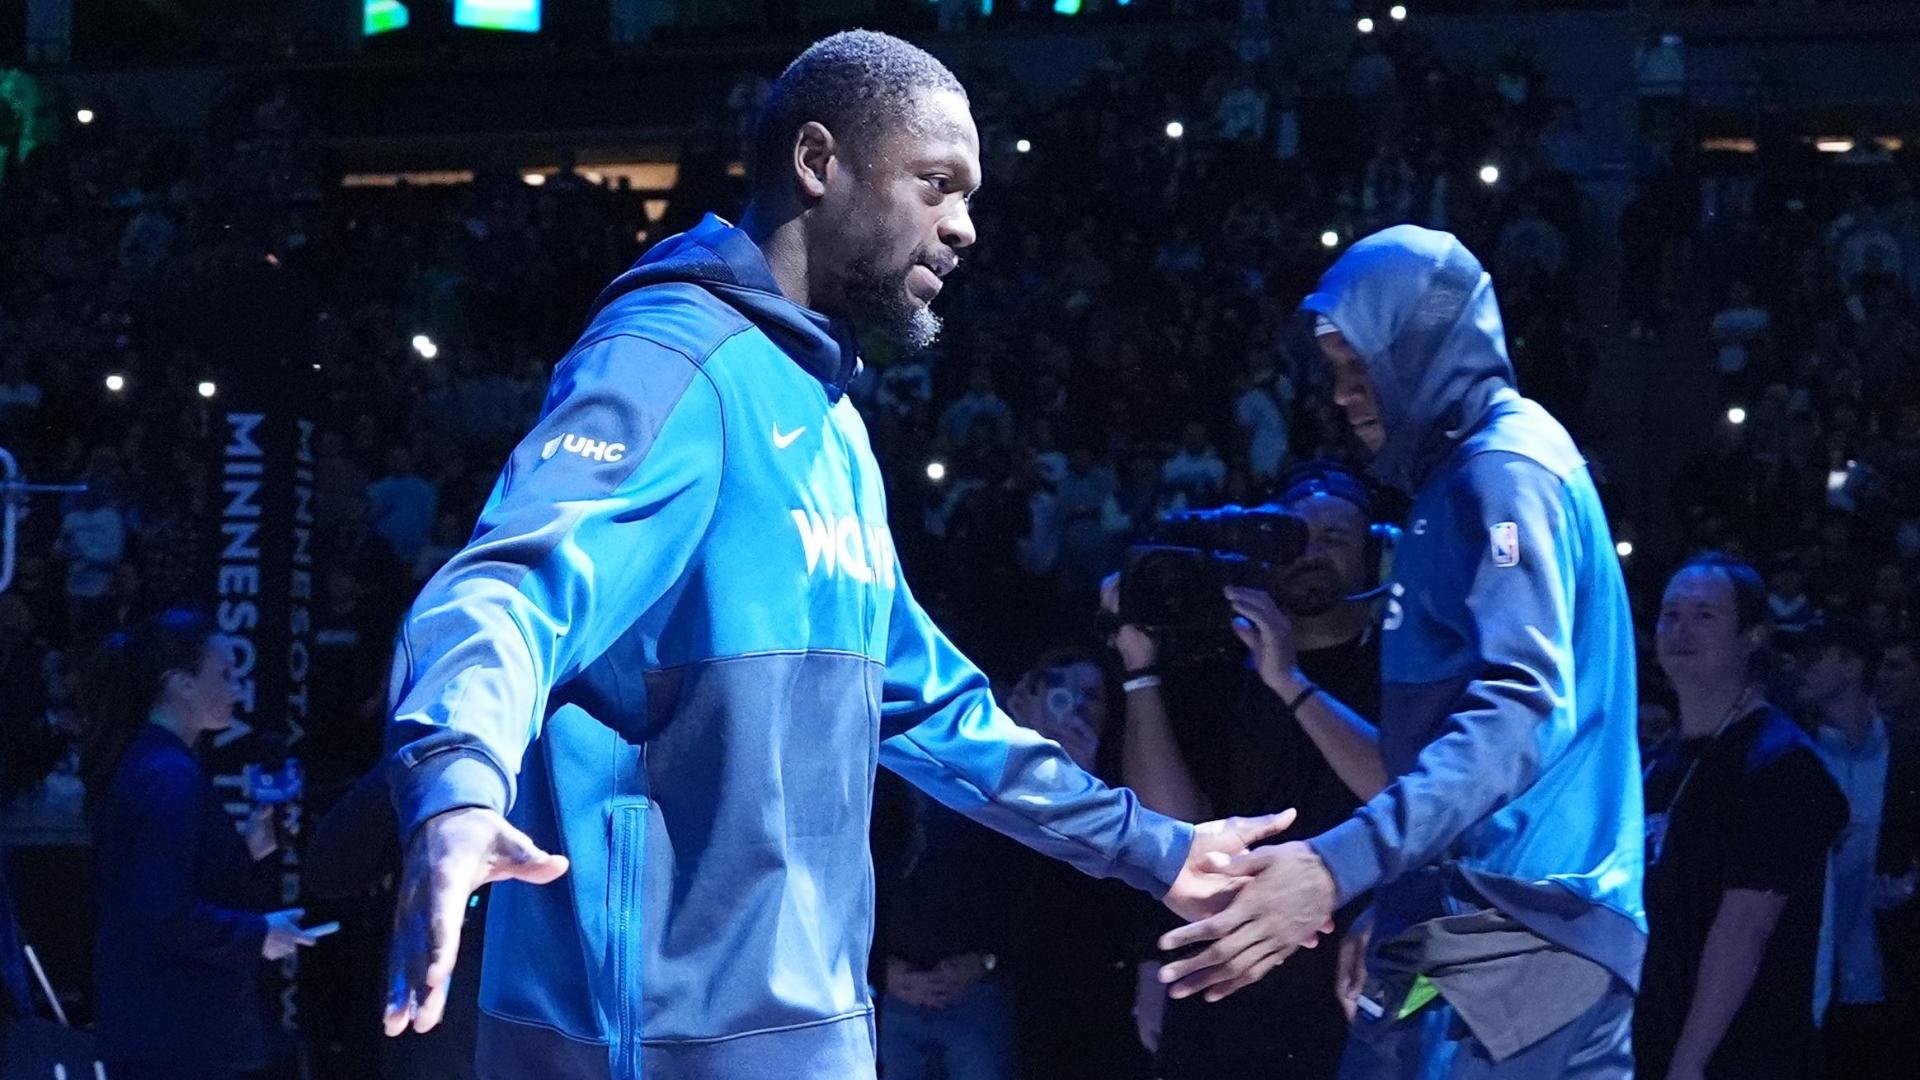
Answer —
449 857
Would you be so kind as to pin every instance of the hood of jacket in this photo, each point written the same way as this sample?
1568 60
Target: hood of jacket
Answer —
720 258
1420 310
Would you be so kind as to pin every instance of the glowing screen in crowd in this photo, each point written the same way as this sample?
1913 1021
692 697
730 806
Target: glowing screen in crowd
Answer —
381 16
521 15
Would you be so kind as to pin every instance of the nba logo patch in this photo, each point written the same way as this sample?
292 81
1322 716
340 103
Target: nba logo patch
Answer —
1506 544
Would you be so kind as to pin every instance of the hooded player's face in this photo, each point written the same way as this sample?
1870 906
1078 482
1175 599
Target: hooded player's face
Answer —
896 216
1353 390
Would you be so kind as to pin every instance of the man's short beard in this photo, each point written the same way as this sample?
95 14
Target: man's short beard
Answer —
878 301
1302 604
1298 598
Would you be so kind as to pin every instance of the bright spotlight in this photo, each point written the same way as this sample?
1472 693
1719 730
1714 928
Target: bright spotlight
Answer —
1366 26
1398 13
1736 415
1329 239
936 471
1624 548
207 389
1489 174
1023 146
424 345
85 116
116 383
1175 129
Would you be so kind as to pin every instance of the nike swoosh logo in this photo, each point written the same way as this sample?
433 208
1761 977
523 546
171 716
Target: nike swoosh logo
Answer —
784 441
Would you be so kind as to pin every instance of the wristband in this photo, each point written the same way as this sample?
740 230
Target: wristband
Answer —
1140 683
1305 695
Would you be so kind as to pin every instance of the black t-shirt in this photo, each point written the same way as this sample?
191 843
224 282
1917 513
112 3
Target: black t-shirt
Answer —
1289 1023
1760 812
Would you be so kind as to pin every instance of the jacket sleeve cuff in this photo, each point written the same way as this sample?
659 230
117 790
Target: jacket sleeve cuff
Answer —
1155 855
1351 857
449 779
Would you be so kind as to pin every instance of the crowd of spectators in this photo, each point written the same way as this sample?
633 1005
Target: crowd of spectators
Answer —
1118 345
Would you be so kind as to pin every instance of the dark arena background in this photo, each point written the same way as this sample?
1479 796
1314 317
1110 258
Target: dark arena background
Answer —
283 284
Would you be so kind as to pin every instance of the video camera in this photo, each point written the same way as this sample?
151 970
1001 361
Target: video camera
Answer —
1172 585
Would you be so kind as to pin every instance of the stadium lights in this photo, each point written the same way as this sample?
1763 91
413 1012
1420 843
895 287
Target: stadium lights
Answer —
1366 26
1023 146
207 389
1175 129
1489 174
1329 239
936 471
1736 415
1624 548
116 383
424 345
85 116
1398 13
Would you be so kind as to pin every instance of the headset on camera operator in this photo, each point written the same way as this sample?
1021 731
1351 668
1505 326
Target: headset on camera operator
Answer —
1273 740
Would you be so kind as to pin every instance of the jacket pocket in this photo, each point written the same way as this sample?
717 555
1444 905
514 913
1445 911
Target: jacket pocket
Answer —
626 918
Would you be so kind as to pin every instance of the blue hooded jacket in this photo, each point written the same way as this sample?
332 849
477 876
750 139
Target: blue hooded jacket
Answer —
674 650
1508 707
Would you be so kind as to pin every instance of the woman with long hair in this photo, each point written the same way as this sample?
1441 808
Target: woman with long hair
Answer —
182 934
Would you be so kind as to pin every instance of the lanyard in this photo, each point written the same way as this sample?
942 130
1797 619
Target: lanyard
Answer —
1746 703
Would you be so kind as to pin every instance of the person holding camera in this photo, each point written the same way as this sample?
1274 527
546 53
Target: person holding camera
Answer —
1273 758
1506 854
182 935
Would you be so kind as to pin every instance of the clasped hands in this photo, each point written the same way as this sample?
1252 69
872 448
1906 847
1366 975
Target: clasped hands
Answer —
1248 908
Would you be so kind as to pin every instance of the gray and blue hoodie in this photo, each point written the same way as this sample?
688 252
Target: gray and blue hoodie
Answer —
675 650
1508 707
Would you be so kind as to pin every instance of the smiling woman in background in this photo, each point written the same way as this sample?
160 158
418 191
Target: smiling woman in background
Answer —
182 936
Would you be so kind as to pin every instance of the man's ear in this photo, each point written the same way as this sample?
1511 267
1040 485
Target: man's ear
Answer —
168 683
815 156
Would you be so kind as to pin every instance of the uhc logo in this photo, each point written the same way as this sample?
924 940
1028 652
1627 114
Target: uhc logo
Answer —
591 449
844 545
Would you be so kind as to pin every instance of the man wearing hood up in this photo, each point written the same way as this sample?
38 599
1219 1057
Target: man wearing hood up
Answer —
1506 852
650 693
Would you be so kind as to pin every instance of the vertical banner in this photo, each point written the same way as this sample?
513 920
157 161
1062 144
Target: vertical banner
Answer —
263 589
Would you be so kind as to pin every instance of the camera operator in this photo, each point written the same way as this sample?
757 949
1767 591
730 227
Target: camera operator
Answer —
1274 759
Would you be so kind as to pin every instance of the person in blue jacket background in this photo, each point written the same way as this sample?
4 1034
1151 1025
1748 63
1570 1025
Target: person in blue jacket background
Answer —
650 694
183 932
1507 849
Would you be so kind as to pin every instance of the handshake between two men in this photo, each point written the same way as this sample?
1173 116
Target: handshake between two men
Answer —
1251 912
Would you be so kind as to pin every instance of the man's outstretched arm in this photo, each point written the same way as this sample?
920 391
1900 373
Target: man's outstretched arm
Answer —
594 519
942 731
